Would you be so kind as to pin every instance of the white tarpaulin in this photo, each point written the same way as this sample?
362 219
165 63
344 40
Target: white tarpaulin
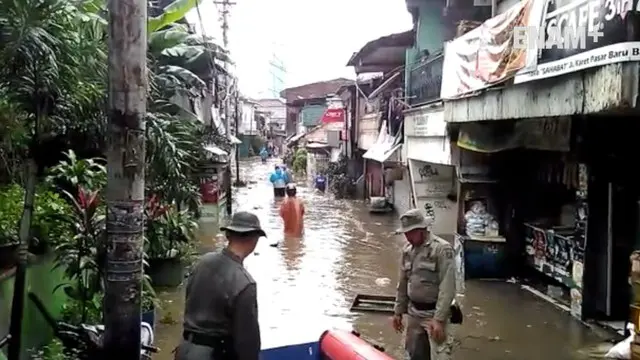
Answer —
384 146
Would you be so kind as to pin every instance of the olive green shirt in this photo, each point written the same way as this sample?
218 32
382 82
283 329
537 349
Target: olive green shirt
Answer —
427 275
222 301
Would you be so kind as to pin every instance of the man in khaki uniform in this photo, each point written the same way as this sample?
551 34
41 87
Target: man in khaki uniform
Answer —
426 290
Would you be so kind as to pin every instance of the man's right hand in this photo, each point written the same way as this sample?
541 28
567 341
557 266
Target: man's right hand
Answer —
396 322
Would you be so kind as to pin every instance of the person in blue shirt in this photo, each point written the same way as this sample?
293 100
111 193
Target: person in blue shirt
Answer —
287 173
264 154
320 182
279 179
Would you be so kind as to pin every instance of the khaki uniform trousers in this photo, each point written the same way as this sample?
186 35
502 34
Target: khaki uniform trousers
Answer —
420 346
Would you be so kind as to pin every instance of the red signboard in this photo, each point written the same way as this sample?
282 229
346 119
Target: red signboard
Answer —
333 115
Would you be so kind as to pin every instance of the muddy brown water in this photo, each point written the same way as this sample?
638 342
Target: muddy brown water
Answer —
307 286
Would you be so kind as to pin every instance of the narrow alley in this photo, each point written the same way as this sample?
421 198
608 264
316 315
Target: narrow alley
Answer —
305 288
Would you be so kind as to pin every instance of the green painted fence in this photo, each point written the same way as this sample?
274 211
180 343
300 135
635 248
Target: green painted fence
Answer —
42 279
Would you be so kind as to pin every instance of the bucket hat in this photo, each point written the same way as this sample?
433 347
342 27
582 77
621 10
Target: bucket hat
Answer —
413 219
244 222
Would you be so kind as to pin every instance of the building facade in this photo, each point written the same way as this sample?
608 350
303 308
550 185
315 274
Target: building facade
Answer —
311 97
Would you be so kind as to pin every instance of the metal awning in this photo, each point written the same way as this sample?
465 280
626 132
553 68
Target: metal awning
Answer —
381 152
234 140
215 150
382 54
384 147
317 145
295 138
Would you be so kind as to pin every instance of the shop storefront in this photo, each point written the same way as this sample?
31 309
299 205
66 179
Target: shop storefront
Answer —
533 192
570 212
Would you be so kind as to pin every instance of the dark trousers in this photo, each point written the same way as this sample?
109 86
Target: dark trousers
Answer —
279 192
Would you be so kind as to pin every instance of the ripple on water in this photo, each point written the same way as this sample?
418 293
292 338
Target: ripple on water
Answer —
305 286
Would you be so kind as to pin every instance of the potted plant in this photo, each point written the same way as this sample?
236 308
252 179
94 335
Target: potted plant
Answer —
170 234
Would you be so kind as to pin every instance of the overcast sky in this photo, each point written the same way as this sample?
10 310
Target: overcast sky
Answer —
314 39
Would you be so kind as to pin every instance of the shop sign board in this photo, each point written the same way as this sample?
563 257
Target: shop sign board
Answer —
488 55
613 45
423 123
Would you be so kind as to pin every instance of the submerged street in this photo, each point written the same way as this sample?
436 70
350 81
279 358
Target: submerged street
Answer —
307 286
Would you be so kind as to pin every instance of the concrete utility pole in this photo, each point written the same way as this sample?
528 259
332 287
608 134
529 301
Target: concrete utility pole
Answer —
226 4
125 177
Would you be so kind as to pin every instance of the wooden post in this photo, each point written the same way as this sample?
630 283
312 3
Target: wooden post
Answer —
125 177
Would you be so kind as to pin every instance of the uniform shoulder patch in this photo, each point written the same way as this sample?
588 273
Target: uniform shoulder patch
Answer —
447 252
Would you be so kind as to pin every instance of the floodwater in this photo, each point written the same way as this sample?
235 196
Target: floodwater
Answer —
307 286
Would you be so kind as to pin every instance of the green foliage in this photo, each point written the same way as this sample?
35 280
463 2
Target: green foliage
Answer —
300 161
85 173
46 92
81 255
169 232
174 150
340 184
54 351
47 227
79 311
171 14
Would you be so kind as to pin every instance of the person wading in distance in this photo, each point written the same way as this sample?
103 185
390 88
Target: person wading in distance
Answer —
292 213
221 308
279 179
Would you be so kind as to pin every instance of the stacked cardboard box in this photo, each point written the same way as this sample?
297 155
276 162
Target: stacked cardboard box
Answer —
635 304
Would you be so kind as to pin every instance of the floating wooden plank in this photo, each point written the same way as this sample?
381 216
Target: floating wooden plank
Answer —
373 303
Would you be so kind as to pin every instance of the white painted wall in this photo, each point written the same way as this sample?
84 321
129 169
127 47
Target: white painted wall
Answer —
248 125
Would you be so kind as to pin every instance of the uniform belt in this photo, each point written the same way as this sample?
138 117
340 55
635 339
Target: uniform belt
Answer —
222 345
420 306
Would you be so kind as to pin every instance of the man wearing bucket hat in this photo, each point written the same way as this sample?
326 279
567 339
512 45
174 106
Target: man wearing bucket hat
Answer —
426 289
221 308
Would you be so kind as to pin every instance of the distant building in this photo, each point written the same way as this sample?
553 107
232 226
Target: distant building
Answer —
277 110
307 103
248 124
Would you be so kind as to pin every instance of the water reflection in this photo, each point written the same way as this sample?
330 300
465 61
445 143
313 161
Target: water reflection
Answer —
306 286
292 249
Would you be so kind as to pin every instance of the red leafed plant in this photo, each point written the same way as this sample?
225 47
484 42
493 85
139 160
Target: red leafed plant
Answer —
81 254
154 208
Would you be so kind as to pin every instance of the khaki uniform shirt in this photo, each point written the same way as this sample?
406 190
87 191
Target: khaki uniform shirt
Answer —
427 275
